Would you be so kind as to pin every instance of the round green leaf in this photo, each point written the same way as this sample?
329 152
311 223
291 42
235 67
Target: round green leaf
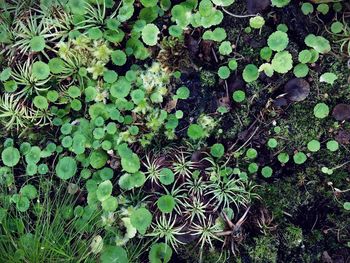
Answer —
266 171
98 159
300 158
314 146
118 57
182 93
131 163
337 27
346 206
195 132
282 62
10 156
217 150
66 168
149 3
40 70
307 8
278 41
328 77
272 143
238 96
150 34
114 254
224 72
41 102
160 253
251 153
250 73
104 190
223 2
22 204
283 157
10 86
29 191
321 110
141 219
166 203
332 145
166 176
121 88
37 43
56 65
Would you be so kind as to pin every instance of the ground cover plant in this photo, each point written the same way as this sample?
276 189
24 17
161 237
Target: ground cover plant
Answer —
174 131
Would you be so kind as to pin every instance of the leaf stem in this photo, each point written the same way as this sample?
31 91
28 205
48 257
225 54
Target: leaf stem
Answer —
237 16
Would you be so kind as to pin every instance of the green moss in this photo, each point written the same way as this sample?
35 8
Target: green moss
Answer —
293 237
300 126
340 89
281 197
208 78
264 250
234 123
190 253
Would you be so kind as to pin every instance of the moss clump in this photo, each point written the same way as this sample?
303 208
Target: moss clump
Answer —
190 254
173 55
264 250
340 89
293 237
300 126
208 79
235 123
282 197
